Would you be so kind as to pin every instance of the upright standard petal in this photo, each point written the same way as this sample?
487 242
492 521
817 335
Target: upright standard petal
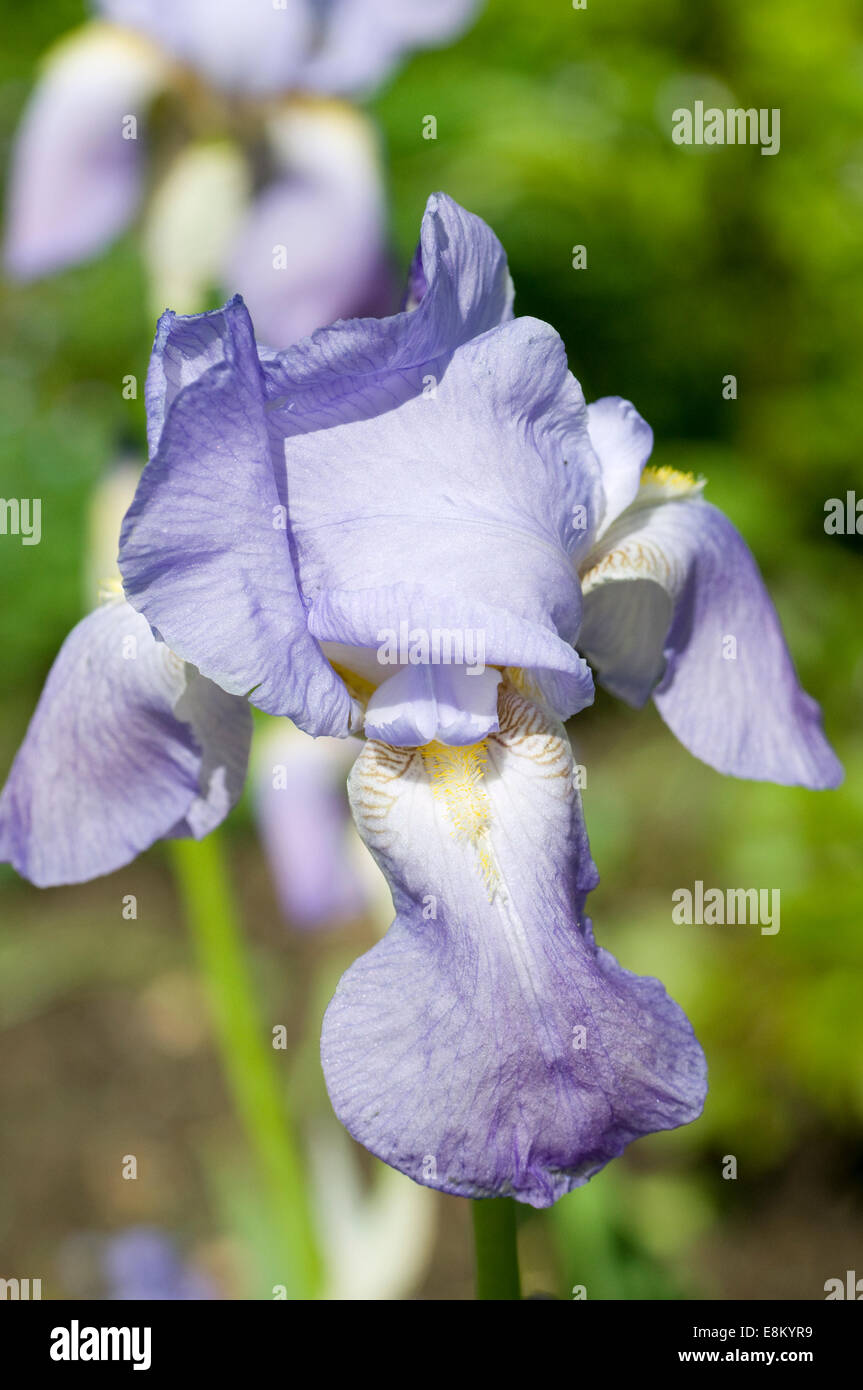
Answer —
467 290
205 552
350 370
186 346
76 167
623 443
127 745
478 484
440 472
487 1046
675 606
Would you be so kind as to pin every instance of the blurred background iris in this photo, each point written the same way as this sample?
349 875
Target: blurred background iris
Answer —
553 125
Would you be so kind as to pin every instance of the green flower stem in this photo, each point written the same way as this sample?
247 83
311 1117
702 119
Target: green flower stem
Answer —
496 1244
257 1091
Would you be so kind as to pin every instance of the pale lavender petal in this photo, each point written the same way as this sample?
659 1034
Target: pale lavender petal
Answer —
186 346
258 48
486 1046
481 485
76 173
127 745
249 47
360 625
674 596
352 368
623 442
362 40
416 282
421 704
205 551
624 630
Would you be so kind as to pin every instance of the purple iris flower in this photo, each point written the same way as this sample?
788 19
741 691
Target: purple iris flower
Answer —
308 518
143 1264
277 191
350 487
255 48
402 526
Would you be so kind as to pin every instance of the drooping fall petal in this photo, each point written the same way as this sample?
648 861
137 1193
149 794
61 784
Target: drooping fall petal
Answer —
486 1046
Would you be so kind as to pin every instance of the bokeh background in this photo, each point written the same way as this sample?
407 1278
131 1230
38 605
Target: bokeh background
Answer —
554 125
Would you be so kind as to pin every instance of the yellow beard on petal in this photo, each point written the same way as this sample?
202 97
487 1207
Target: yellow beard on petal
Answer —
457 776
626 550
664 484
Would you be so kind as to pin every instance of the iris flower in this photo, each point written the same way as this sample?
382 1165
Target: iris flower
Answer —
272 187
142 1263
312 526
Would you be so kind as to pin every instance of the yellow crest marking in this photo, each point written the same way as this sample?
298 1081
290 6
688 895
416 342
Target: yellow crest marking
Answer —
666 483
457 777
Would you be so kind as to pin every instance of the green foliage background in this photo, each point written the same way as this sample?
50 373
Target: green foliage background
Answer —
554 125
